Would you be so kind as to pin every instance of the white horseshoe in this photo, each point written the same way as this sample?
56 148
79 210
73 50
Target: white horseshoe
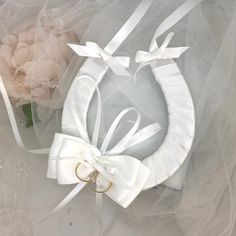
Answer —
178 141
181 130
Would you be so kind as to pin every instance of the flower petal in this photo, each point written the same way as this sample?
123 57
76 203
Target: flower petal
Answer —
22 55
10 40
6 53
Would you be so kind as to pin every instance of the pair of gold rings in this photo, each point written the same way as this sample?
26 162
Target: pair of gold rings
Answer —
92 178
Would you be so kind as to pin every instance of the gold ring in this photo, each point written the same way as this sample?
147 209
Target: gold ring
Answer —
81 179
92 178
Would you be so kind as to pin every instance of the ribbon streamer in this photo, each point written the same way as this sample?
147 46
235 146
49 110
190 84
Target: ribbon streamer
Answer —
14 126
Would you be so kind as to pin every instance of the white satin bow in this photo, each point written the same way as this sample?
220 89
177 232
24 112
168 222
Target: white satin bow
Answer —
158 53
163 52
126 174
91 49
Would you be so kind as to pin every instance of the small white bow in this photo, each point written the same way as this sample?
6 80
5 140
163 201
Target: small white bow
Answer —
91 49
163 52
72 161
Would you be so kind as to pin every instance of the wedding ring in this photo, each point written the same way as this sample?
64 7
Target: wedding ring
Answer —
81 179
92 178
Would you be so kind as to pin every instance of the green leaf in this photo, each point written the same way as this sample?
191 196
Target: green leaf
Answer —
27 110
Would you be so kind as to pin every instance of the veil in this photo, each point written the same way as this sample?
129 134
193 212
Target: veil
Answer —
200 198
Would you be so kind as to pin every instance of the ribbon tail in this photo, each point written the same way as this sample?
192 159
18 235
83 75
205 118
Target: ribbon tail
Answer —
97 124
66 200
99 200
181 50
167 40
13 123
116 67
84 51
172 53
140 67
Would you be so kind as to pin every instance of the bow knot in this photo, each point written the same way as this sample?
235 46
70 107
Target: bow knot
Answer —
93 50
163 52
73 161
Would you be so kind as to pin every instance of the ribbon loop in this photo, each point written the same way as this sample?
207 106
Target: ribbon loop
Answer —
91 49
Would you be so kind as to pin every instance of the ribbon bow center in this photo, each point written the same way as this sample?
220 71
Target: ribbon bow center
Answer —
117 64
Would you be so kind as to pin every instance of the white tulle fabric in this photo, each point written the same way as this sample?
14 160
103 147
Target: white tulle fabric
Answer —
206 203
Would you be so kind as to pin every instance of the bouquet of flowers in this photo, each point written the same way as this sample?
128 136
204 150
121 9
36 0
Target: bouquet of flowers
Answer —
32 62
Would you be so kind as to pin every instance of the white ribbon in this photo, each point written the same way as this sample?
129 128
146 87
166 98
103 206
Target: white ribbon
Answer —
161 53
13 123
172 19
126 174
117 64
